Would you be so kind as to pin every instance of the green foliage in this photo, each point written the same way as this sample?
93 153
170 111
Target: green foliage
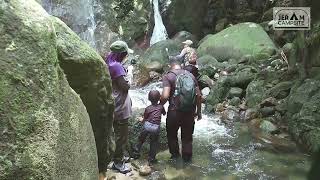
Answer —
123 7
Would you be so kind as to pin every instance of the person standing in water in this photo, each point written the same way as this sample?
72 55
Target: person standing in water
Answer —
183 107
122 111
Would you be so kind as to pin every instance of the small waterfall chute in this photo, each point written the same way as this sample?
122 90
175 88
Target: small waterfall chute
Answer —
159 31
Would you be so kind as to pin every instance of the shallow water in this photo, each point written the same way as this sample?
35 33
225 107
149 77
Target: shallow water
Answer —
226 152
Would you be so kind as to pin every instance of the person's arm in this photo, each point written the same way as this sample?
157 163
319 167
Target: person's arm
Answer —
145 115
165 95
182 54
122 84
166 90
163 110
199 99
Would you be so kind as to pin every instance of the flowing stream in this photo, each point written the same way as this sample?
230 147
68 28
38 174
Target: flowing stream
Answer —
226 152
159 31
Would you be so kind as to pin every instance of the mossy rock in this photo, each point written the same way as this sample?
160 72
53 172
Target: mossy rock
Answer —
237 41
88 75
303 113
208 65
46 130
235 92
281 90
242 77
255 93
218 93
156 57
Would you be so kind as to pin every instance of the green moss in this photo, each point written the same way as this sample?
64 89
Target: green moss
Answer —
237 41
37 102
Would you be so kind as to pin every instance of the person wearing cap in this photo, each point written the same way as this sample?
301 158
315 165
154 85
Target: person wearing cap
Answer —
122 111
188 54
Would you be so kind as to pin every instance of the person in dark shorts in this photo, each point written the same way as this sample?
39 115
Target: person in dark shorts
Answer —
179 119
151 120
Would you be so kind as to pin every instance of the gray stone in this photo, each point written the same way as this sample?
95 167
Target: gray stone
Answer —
242 77
250 114
255 92
235 92
217 94
267 111
208 65
267 126
221 24
281 90
235 101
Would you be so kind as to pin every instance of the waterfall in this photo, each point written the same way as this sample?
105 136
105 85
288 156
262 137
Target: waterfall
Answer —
78 15
159 31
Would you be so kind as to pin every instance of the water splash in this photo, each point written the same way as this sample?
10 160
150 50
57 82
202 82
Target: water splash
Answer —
159 31
224 151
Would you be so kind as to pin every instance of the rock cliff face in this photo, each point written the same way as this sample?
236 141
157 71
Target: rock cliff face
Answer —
45 128
101 22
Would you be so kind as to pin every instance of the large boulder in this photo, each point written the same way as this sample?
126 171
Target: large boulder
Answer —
87 74
237 41
242 77
156 59
45 128
185 35
303 113
185 15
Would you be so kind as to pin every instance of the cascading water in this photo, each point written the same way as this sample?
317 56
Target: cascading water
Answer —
225 151
159 31
78 15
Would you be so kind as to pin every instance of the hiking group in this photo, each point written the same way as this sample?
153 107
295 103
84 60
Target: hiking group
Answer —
180 89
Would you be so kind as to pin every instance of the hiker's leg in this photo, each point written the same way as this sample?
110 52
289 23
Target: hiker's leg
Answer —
172 127
141 139
154 144
121 137
187 127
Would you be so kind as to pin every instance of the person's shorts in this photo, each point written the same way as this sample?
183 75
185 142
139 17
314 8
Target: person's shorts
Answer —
152 128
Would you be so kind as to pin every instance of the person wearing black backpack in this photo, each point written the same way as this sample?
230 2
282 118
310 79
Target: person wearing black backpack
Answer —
181 89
